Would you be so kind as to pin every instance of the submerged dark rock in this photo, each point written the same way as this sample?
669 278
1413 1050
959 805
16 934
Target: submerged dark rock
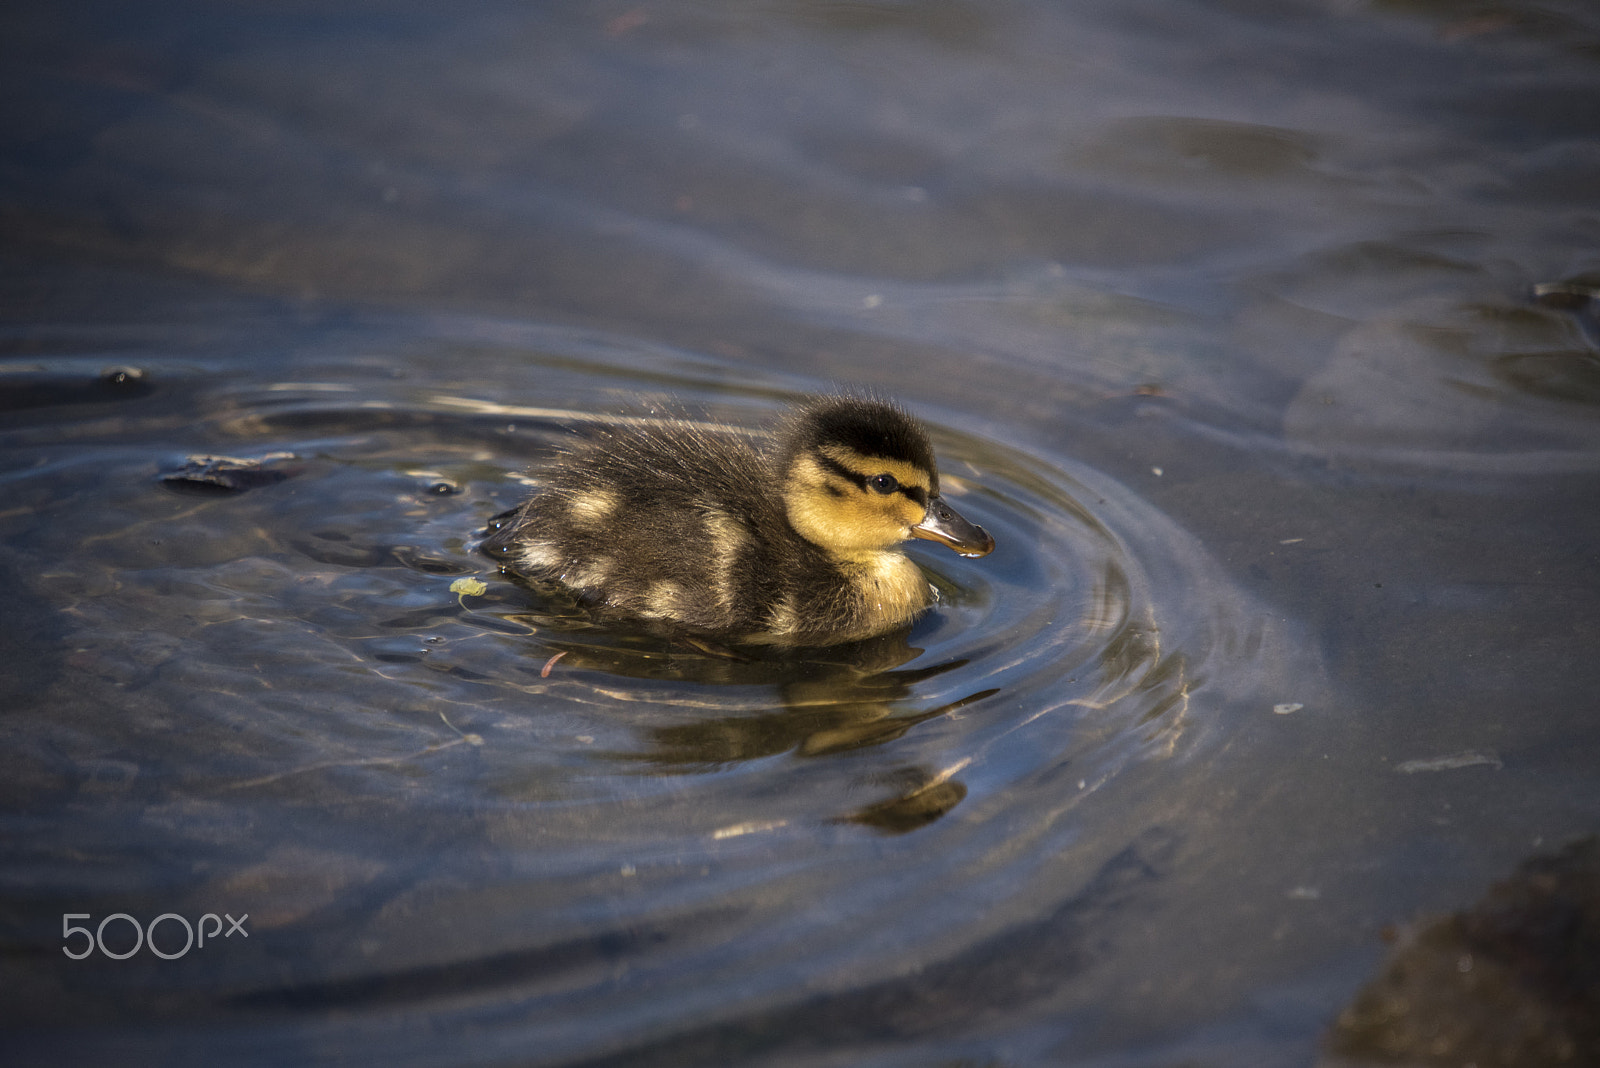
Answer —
1513 981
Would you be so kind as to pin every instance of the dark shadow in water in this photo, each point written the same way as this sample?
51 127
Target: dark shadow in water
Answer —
1024 965
1513 981
1567 373
1568 376
828 701
924 797
525 972
1021 966
812 726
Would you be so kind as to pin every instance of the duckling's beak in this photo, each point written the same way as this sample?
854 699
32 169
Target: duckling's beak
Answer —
945 525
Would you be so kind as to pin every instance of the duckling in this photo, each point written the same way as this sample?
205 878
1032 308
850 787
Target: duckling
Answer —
710 535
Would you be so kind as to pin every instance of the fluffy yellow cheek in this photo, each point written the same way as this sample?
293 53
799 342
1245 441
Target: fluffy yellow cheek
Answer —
842 517
877 522
855 521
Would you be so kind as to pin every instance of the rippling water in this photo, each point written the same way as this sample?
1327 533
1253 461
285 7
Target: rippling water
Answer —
324 705
1262 341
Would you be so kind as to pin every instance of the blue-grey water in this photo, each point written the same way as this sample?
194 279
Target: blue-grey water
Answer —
1261 336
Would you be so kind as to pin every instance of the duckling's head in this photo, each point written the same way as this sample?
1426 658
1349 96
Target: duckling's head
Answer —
859 476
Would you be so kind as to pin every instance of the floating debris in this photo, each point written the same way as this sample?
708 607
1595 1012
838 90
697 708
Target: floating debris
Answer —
738 830
230 474
468 587
358 762
466 736
544 672
1287 708
1467 759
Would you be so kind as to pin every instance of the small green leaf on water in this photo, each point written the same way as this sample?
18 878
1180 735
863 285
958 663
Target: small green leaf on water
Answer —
468 587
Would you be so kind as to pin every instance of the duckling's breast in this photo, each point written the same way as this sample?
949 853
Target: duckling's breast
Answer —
892 589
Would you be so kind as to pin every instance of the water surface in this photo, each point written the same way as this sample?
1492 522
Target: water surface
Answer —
1260 338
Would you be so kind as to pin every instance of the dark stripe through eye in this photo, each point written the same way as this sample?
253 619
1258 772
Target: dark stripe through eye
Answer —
841 470
883 483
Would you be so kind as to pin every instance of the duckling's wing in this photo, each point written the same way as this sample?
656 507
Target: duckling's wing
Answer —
669 523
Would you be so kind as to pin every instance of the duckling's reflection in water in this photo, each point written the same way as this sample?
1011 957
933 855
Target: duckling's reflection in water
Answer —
828 701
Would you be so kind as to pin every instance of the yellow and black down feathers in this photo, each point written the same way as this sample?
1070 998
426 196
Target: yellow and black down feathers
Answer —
712 534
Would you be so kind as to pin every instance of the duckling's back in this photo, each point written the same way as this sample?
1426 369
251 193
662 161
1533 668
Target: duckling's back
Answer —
676 524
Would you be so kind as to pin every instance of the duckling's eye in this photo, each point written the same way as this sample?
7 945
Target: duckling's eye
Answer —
884 483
